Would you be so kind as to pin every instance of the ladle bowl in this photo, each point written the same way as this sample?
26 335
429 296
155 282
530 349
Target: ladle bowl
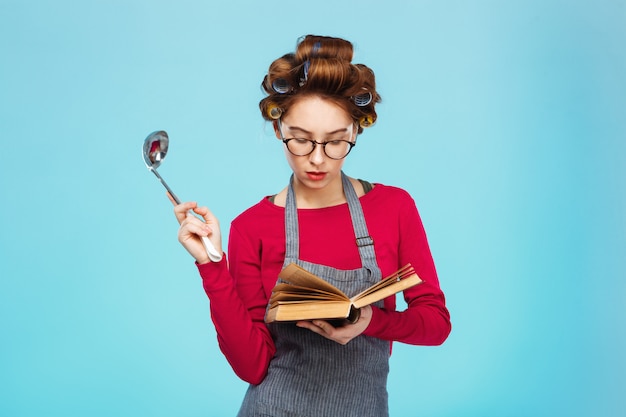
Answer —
154 151
155 148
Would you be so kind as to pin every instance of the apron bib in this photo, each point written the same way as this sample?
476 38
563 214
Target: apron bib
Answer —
311 376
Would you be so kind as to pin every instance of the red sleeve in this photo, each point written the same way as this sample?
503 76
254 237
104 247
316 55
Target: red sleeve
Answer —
238 308
426 321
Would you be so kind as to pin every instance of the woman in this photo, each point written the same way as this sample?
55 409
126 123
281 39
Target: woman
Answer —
348 231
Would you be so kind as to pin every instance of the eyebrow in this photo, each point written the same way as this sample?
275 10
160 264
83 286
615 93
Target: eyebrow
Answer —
308 132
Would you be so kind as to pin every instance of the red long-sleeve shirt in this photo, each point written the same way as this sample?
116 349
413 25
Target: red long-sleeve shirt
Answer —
239 288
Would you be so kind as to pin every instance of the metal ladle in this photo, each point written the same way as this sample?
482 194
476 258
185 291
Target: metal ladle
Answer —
154 151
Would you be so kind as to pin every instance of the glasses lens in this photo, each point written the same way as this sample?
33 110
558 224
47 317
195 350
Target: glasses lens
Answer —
300 147
337 149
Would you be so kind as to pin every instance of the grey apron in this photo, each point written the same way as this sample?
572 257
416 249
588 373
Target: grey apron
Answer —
311 376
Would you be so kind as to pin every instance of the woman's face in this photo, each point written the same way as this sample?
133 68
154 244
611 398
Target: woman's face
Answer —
321 120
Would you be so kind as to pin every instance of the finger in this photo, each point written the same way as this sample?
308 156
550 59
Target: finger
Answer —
318 326
169 196
322 324
181 211
201 211
196 226
206 214
307 325
196 222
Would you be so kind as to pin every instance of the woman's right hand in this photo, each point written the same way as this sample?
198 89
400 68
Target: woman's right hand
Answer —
192 229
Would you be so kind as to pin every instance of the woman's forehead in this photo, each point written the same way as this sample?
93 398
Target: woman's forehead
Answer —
298 129
317 115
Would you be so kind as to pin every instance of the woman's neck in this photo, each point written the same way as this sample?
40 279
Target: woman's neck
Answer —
307 197
311 198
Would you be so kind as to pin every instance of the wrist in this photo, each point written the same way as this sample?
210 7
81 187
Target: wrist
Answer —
202 258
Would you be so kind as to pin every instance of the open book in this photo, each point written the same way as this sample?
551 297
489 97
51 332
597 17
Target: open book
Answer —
305 296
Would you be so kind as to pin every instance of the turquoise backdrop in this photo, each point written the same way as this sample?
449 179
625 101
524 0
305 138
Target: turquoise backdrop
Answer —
506 120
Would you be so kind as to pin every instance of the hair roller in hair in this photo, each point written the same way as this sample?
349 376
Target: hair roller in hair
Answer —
273 111
281 86
366 121
305 73
362 99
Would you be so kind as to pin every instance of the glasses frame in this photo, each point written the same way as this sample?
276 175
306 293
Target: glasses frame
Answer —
314 144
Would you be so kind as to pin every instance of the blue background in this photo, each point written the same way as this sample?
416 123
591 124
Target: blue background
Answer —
506 120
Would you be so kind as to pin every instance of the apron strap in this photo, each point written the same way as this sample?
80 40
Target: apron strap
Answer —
292 234
363 240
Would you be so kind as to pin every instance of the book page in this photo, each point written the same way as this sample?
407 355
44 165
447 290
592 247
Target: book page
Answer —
406 270
388 287
287 292
299 276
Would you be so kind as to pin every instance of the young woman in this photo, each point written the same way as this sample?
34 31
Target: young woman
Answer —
350 232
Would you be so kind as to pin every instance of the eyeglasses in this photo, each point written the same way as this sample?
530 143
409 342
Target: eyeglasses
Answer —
334 149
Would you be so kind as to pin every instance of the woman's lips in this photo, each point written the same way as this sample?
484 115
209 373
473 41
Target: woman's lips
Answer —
316 176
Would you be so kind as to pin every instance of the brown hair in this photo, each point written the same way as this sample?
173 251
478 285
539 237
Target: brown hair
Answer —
320 66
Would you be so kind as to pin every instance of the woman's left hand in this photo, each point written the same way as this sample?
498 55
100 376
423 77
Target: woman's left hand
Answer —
343 334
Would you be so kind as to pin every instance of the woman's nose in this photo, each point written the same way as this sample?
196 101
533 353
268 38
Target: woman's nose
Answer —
317 156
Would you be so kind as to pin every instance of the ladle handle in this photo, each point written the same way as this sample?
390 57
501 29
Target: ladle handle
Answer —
214 255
